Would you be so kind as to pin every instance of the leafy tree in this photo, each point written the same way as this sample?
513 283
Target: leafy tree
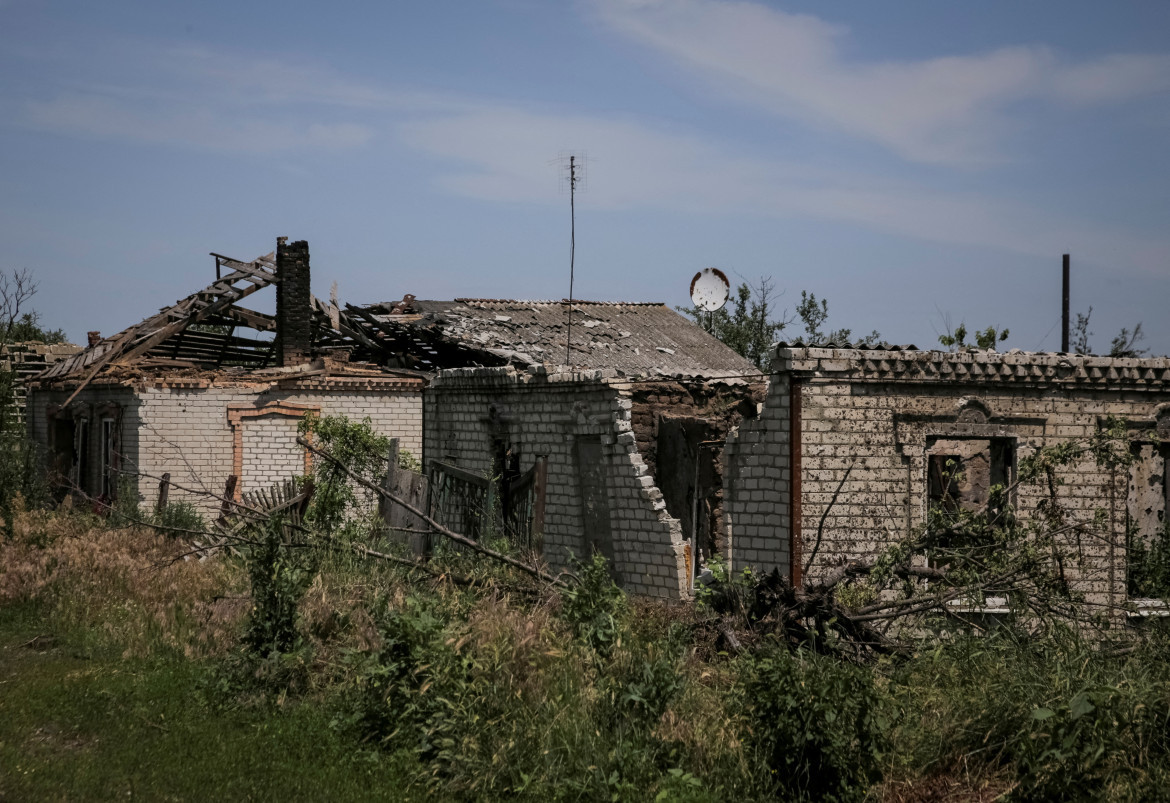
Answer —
17 322
749 328
984 339
814 313
1123 345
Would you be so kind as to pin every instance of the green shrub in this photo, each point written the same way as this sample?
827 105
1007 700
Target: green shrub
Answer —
594 608
815 725
1062 717
21 474
181 517
280 574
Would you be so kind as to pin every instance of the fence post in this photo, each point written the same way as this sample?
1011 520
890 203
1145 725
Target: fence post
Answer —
229 495
539 483
164 490
385 506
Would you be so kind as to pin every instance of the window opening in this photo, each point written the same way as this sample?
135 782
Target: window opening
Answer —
961 476
961 472
1147 525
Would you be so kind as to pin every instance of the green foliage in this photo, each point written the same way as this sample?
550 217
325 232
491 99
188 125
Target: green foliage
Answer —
124 509
279 575
1124 344
985 339
181 517
27 329
22 480
639 688
356 446
816 725
1064 719
390 705
813 314
749 327
594 608
1148 565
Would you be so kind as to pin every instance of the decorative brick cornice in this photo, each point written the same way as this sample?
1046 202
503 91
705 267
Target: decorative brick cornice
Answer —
977 367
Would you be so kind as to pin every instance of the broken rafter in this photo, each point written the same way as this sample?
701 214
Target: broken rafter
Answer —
133 343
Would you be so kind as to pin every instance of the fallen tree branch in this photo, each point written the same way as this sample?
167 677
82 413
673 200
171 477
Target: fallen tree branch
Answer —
438 528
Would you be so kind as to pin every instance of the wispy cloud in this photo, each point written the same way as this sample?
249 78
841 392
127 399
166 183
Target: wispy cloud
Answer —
195 97
640 165
498 151
941 110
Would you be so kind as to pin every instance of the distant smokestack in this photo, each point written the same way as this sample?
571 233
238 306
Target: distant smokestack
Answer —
294 336
1064 309
94 338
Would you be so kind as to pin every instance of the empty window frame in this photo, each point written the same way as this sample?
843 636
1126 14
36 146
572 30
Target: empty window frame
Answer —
962 471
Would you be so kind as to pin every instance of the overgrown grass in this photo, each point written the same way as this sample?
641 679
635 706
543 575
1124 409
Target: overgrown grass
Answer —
127 666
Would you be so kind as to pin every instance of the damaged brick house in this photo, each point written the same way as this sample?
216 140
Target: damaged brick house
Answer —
852 446
208 389
629 432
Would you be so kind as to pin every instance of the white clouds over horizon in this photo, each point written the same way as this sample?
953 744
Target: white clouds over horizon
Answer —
951 109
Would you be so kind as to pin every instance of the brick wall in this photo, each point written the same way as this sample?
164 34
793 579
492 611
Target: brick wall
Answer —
868 420
186 431
547 415
756 486
27 359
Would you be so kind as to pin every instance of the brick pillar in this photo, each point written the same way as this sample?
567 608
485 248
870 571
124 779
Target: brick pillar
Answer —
294 336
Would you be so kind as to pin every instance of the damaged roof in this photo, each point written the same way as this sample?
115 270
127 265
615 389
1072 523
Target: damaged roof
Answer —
211 331
199 333
635 339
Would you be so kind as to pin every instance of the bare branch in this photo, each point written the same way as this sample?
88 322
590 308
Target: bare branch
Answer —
438 528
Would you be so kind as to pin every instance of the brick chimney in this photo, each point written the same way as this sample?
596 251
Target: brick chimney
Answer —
94 338
294 336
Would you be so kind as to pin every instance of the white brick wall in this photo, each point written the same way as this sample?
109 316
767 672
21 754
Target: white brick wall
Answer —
545 415
878 431
186 432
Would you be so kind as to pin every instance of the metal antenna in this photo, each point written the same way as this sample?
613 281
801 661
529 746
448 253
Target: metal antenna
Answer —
574 176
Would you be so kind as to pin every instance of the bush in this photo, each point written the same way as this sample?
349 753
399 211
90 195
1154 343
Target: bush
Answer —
21 474
280 575
815 725
594 608
1063 718
181 518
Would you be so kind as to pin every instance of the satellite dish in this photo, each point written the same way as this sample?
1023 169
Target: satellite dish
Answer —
709 289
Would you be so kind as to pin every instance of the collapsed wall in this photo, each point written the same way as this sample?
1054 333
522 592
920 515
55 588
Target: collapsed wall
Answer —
600 434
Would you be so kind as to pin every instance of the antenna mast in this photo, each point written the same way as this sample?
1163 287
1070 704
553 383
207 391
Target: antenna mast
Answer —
575 177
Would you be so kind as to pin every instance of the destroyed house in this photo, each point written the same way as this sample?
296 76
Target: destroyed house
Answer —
626 405
209 389
853 446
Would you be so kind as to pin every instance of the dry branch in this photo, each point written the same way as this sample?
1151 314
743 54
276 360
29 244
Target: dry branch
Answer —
436 527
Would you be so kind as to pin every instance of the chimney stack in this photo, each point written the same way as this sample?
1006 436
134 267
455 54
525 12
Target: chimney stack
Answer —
294 336
94 338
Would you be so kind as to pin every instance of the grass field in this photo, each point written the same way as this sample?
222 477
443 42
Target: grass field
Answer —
127 672
84 724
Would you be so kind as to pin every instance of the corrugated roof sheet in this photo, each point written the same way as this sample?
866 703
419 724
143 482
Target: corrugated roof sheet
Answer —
636 339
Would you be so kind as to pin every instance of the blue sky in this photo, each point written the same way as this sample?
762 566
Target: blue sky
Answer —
913 162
